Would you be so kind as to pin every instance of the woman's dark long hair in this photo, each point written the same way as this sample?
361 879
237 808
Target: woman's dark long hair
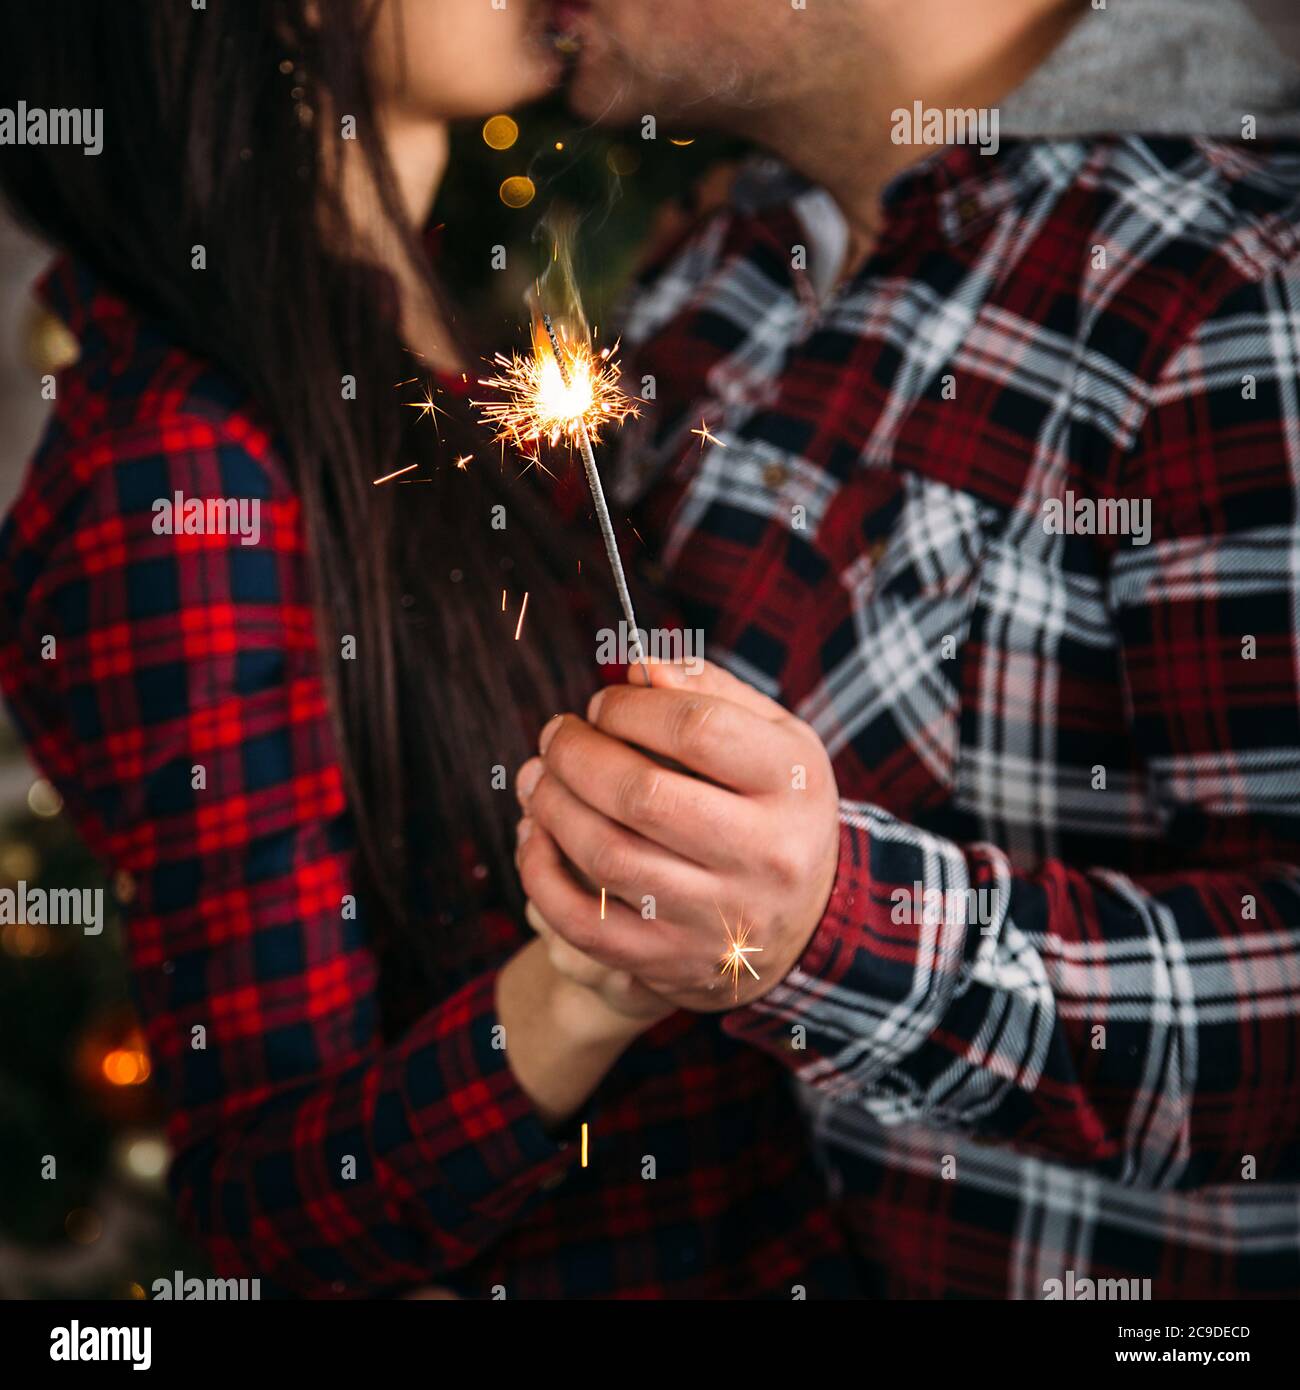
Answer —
205 142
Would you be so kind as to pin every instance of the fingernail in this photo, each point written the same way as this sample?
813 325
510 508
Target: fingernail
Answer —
548 733
593 706
529 775
524 829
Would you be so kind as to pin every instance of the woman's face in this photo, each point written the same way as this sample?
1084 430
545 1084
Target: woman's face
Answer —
448 59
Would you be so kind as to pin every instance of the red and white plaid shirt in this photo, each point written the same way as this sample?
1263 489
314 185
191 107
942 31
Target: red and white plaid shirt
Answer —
1093 1064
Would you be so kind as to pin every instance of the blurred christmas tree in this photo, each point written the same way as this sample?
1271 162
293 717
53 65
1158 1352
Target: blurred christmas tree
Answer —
84 1210
82 1157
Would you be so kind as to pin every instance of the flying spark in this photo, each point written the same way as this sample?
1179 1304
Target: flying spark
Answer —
707 437
389 476
428 406
736 955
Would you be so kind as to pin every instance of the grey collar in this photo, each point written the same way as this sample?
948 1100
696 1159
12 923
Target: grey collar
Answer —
1160 67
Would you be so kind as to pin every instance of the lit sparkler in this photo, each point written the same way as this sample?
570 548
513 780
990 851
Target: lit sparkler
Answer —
736 956
564 391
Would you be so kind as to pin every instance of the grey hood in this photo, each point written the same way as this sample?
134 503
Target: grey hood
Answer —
1161 67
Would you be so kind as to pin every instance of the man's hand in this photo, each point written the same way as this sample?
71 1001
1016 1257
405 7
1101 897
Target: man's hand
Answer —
704 810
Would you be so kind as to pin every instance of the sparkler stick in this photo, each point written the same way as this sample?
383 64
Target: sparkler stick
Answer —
602 512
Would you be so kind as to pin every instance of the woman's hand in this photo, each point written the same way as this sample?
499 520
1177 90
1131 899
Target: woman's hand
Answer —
618 990
562 1035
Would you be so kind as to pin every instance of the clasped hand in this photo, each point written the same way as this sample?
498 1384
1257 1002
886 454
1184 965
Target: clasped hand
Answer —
706 813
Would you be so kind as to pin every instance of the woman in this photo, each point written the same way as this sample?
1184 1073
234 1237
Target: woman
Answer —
374 1074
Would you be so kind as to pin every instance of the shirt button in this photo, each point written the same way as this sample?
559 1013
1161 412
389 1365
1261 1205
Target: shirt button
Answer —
775 475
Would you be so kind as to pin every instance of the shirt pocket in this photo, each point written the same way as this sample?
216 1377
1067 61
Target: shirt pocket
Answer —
909 554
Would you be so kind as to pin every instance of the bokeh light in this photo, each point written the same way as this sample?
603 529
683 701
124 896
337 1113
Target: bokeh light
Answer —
518 191
500 132
43 799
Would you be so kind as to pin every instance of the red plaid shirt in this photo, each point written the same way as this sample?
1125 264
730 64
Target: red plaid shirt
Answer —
257 990
1093 1063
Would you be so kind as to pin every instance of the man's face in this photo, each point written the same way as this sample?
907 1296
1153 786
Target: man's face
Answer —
687 62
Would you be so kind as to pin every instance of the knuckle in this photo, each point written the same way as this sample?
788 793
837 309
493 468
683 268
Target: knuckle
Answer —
581 934
781 864
693 726
613 862
642 797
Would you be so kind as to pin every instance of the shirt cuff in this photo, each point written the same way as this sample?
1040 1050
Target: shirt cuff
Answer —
767 1021
505 1154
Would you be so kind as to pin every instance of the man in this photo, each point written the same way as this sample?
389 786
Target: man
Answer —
984 460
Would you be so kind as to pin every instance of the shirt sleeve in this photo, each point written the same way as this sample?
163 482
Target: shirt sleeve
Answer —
184 719
1144 1026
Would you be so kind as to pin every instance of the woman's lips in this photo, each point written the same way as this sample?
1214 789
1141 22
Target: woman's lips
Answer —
567 16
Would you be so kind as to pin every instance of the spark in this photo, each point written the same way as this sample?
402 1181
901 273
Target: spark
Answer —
519 626
707 436
389 476
584 1143
428 406
602 904
735 956
535 461
463 460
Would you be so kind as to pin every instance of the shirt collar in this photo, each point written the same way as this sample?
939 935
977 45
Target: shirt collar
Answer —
952 193
72 292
